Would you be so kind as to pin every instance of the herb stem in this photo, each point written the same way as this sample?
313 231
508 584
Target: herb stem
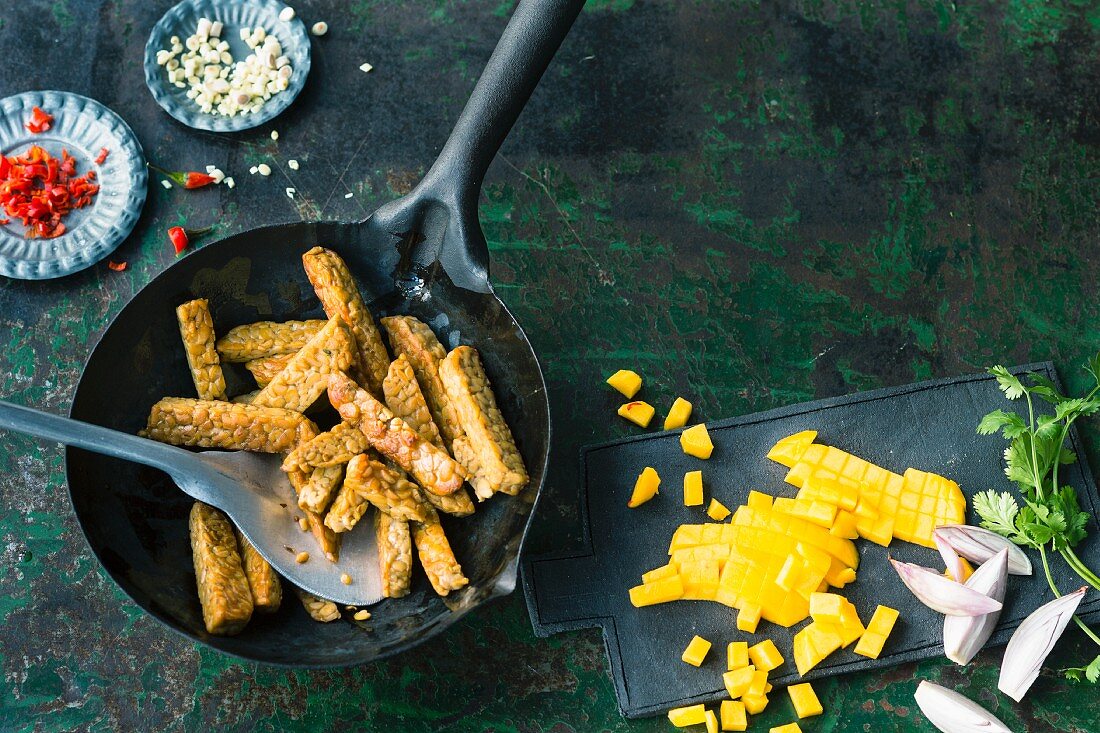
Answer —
1079 567
1058 594
1034 454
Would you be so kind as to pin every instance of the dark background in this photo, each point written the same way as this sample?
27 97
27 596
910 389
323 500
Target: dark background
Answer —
752 204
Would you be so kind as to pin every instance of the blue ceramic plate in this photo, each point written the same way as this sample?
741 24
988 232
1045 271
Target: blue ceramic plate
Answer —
82 126
182 20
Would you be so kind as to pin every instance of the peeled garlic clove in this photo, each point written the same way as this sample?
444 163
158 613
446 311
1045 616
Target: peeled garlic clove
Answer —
964 636
954 713
943 594
1033 641
978 545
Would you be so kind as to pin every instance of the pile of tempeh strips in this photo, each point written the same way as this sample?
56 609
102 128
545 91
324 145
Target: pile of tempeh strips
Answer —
413 431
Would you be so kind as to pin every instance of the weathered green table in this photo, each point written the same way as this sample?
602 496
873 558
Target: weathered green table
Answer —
751 204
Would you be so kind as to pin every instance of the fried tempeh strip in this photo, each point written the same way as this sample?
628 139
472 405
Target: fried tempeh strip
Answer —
464 454
404 398
223 587
320 488
303 380
266 338
370 481
413 338
231 425
498 462
394 554
265 369
458 504
318 608
328 541
263 581
339 296
197 331
431 467
339 445
436 556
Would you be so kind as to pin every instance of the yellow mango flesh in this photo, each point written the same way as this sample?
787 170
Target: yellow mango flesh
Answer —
878 630
737 681
660 591
765 655
678 414
639 413
696 651
712 722
755 704
717 510
737 655
645 487
789 450
788 728
626 381
693 488
696 441
689 715
732 713
759 682
805 700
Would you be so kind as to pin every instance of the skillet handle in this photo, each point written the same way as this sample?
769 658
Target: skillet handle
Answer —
532 37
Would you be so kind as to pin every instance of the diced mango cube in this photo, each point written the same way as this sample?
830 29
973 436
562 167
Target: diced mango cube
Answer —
732 713
665 571
678 414
747 618
737 681
805 700
755 704
712 722
645 487
759 682
661 591
696 441
689 715
827 607
765 655
737 654
717 510
844 525
759 501
813 643
638 412
878 629
789 450
790 574
626 381
788 728
693 488
696 651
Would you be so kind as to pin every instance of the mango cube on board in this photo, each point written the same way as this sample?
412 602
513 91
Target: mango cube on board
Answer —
805 700
712 722
879 628
665 571
844 525
732 713
678 414
748 618
689 715
765 656
659 591
638 412
759 501
696 651
645 487
717 510
737 681
755 704
788 728
693 488
696 441
626 381
827 607
789 450
737 654
759 682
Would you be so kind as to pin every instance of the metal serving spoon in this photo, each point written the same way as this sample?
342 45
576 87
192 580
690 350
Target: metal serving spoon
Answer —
249 487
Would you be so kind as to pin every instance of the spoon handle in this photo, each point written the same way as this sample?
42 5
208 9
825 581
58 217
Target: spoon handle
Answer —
92 437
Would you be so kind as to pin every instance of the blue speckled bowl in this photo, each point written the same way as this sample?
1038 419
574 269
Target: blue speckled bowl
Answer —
181 21
82 126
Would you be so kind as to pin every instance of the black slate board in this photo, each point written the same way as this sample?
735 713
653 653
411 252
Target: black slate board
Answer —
929 426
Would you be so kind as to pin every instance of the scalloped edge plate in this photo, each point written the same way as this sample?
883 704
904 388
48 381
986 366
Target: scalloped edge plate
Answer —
82 126
234 15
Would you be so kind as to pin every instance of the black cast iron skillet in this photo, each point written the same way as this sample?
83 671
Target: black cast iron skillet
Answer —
424 255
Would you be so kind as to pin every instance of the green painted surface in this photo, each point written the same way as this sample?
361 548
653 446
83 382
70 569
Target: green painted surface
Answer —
753 204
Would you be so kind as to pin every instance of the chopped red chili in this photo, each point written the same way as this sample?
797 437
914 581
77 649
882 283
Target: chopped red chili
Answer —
40 190
116 266
178 237
197 180
103 153
40 121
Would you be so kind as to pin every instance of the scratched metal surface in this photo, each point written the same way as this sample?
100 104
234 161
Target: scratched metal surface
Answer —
750 205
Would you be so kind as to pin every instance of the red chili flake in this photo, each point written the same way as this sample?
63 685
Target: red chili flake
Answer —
40 190
40 121
116 266
102 157
180 237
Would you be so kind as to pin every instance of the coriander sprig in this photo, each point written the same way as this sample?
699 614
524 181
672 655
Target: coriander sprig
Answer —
1048 514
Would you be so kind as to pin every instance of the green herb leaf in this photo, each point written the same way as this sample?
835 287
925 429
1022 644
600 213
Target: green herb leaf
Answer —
1092 366
1010 424
1091 673
1009 383
997 511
